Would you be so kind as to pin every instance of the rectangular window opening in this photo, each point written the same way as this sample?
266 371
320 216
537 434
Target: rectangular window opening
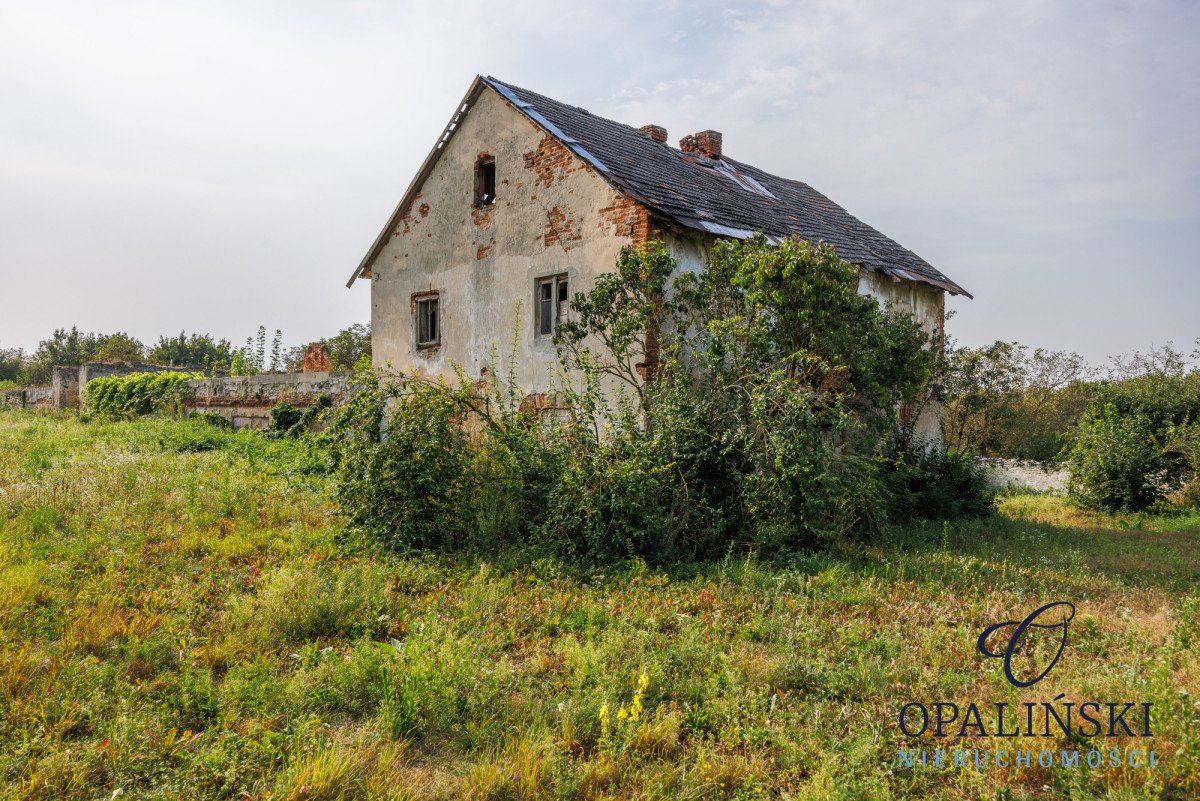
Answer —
553 303
485 182
429 332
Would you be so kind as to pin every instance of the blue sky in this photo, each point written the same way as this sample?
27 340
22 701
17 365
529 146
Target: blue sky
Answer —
219 166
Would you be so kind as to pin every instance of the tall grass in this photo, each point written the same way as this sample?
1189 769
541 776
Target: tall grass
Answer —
196 622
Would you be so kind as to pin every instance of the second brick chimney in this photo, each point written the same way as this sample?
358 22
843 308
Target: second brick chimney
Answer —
706 143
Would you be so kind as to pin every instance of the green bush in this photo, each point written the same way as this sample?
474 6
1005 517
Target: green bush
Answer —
290 421
1136 442
284 416
137 394
403 458
929 483
1116 463
1167 403
744 437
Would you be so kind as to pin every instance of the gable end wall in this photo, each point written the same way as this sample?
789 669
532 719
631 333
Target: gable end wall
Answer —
552 215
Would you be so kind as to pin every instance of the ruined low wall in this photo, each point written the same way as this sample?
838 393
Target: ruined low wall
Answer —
69 382
91 370
27 398
246 401
1025 475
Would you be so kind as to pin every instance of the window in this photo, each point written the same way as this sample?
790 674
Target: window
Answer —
485 181
552 303
429 331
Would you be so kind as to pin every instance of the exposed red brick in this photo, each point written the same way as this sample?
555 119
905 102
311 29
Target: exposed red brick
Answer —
551 161
482 215
560 229
542 402
316 358
707 143
630 219
407 217
655 132
424 210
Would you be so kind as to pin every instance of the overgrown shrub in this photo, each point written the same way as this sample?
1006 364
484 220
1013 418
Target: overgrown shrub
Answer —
1184 441
290 421
1115 463
404 485
1134 444
743 437
926 482
284 416
137 394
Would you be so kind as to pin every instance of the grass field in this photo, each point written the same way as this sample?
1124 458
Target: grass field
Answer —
183 616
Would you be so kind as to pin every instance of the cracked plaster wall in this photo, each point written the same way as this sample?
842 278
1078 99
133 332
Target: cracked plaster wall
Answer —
552 215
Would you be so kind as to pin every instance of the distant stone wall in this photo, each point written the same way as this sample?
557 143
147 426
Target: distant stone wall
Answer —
27 398
246 401
68 383
65 387
1025 475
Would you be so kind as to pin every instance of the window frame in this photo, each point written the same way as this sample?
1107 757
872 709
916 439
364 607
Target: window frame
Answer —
560 284
483 166
421 302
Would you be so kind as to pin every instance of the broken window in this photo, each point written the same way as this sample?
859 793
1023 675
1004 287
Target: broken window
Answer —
485 181
429 331
552 303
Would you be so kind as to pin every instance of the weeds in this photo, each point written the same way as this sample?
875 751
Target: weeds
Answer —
197 624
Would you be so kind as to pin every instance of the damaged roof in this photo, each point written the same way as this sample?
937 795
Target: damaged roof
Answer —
721 196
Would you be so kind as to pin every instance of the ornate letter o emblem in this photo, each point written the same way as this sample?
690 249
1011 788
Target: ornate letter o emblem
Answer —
1028 622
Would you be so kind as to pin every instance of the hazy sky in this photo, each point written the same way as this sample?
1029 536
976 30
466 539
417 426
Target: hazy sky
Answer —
219 166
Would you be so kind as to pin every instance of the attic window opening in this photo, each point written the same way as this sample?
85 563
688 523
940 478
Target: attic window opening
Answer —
485 181
552 303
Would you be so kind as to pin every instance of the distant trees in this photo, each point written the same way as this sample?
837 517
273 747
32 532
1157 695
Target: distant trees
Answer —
1003 400
1129 433
69 348
197 350
72 347
12 367
349 346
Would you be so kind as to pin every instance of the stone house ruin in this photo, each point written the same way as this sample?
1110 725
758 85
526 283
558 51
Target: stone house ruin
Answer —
527 198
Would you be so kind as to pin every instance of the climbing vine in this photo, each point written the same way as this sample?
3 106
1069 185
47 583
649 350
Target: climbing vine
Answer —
137 394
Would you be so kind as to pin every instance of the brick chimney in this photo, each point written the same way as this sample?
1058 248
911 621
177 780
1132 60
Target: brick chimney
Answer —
706 143
655 132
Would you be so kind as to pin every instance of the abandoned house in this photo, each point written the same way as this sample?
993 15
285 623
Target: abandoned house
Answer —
527 198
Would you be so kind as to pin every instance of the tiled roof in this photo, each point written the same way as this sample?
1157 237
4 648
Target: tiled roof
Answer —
721 196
